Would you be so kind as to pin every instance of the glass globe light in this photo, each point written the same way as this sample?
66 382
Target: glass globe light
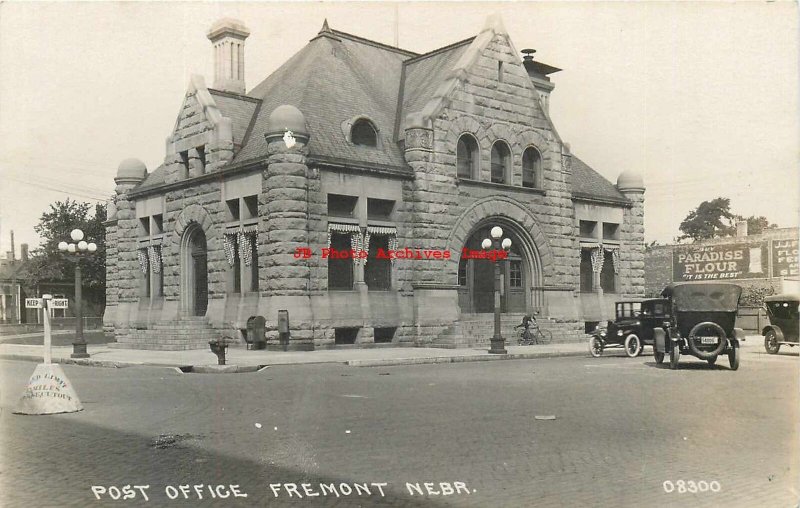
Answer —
497 232
486 243
71 247
506 243
62 246
82 245
92 247
77 235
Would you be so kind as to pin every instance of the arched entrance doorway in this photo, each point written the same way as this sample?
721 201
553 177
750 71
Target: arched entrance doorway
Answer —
519 276
194 272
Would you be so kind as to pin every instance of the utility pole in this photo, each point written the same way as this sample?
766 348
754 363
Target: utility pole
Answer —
14 290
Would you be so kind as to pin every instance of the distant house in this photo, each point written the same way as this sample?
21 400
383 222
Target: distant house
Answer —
355 145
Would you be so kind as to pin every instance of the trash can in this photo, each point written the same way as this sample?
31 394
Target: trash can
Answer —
256 327
283 329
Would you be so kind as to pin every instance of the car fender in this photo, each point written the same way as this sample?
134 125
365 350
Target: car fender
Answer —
739 334
777 330
659 339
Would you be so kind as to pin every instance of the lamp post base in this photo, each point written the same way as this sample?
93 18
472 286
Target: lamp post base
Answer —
79 350
498 346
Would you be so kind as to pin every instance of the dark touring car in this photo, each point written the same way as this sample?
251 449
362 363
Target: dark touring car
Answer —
700 323
632 327
784 319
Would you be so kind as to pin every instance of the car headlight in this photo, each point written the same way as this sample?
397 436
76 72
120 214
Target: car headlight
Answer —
619 333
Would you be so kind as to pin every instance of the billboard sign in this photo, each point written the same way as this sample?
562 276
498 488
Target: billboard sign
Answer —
720 262
784 258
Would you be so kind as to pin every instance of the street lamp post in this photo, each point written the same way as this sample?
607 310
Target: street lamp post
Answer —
78 250
498 343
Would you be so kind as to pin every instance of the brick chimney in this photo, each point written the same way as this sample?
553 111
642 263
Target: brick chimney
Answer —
23 252
741 229
227 37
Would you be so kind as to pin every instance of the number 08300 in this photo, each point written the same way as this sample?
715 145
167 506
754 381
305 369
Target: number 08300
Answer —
681 486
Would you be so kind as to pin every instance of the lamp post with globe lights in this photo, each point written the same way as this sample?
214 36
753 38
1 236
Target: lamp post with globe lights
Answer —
74 251
495 243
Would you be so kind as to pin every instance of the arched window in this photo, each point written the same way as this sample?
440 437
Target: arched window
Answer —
531 167
363 133
501 162
467 157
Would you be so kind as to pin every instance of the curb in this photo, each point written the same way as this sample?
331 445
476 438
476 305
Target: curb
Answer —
86 362
461 359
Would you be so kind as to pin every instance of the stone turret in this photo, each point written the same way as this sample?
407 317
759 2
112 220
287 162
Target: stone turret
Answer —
285 212
121 260
631 185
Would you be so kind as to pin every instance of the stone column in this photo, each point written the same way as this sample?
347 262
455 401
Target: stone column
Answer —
632 252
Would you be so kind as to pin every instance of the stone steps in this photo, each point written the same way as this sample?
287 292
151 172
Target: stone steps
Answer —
478 329
192 332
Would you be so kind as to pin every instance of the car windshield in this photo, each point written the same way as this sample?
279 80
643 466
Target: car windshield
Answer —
706 297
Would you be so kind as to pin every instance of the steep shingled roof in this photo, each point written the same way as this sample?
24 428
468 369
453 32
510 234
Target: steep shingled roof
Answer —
333 80
337 77
239 108
588 183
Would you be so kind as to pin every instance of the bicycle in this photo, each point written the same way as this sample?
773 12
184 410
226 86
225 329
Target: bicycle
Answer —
532 334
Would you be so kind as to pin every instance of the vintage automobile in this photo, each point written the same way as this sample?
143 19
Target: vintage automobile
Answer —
633 327
701 323
783 328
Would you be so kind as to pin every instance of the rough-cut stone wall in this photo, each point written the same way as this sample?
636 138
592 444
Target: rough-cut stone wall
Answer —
631 272
492 110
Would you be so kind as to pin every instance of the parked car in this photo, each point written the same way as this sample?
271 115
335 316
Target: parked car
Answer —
782 311
701 323
632 327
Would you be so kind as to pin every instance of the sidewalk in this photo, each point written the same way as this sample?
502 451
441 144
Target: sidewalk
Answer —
103 356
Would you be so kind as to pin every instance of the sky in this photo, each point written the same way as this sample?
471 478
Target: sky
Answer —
700 98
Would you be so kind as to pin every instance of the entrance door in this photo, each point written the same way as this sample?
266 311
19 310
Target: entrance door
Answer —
201 283
195 273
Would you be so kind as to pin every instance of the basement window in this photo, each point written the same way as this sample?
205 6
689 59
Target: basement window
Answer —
345 335
384 335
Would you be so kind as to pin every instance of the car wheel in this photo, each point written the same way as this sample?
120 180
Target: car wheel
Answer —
659 357
712 361
546 337
771 342
595 347
694 336
734 354
674 356
633 346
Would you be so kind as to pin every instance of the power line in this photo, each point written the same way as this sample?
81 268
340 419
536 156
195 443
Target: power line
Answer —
62 190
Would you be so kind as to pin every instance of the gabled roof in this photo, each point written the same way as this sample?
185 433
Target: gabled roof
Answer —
338 77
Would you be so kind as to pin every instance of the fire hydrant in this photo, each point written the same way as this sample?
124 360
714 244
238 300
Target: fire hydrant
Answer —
218 347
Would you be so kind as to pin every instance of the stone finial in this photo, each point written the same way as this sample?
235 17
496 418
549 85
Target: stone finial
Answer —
287 119
131 172
630 181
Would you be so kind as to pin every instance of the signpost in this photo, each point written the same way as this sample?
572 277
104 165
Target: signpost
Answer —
48 391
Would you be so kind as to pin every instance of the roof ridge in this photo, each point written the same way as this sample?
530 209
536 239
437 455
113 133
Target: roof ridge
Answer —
356 38
439 50
233 95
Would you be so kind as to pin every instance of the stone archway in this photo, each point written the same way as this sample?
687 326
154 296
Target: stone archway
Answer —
192 227
531 251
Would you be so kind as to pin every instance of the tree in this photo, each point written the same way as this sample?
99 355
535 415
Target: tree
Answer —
711 219
47 263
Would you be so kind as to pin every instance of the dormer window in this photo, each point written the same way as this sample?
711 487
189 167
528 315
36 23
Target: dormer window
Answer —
363 133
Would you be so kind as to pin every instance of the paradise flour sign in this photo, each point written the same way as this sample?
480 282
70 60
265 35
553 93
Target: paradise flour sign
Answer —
718 262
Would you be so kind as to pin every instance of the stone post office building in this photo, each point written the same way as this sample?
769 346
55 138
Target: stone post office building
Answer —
353 144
